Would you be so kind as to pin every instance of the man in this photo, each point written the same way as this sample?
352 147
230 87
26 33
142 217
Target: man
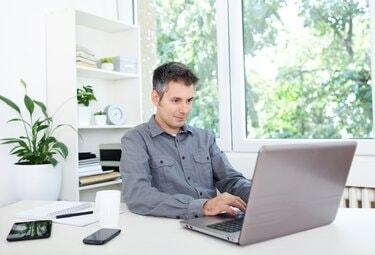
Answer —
172 169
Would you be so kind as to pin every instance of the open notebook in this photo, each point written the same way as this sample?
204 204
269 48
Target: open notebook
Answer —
49 212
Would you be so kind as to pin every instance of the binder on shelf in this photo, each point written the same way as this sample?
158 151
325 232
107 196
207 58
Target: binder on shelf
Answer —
110 156
85 155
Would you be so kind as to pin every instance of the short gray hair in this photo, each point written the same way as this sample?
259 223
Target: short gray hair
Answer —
172 71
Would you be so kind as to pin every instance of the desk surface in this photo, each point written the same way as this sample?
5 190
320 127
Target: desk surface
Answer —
351 233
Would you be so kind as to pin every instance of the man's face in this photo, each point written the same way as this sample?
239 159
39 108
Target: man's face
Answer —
174 107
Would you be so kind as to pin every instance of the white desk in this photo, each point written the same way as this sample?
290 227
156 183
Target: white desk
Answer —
352 232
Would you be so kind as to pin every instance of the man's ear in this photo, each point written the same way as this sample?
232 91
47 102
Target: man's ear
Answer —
155 98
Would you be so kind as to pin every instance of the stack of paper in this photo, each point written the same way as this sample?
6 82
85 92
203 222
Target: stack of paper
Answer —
85 57
50 211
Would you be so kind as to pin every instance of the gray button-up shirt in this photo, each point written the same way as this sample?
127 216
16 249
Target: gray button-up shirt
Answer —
172 176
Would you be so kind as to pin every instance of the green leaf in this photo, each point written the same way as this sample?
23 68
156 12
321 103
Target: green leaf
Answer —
22 143
61 153
67 125
29 104
14 148
42 107
53 161
50 139
35 127
24 84
62 147
41 127
10 141
18 119
48 120
19 152
6 139
10 103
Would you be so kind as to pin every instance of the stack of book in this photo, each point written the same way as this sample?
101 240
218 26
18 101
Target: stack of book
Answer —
85 57
89 166
90 170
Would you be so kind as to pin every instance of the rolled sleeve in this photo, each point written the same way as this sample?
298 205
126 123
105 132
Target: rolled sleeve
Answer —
195 208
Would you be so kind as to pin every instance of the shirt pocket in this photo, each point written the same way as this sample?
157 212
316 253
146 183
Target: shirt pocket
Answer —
203 168
161 169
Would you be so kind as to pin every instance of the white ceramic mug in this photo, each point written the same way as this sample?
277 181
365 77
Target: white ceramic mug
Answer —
107 208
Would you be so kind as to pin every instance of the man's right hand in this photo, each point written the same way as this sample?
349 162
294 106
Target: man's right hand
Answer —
223 203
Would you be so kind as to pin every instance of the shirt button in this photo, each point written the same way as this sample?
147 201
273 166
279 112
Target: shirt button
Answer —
196 216
178 217
161 161
183 157
200 193
208 158
189 178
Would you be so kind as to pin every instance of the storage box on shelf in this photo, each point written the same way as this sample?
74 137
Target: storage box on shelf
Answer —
105 38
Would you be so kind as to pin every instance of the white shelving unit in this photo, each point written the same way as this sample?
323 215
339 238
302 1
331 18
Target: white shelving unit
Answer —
106 38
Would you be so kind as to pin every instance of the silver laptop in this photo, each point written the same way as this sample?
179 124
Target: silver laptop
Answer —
295 188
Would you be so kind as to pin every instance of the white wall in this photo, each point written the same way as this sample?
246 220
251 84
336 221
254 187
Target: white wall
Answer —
22 52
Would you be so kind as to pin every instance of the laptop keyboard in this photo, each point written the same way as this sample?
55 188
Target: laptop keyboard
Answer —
228 226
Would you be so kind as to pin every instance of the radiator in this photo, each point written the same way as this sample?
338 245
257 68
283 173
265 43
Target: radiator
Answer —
357 197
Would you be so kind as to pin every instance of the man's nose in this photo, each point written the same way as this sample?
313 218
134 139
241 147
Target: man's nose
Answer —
184 108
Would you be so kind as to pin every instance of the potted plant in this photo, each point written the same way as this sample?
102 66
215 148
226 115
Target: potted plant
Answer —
107 64
84 97
100 118
37 172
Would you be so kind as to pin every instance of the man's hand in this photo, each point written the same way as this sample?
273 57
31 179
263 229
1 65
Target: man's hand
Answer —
223 203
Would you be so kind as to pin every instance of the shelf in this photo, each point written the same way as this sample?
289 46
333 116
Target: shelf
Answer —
102 184
106 127
91 72
111 87
100 23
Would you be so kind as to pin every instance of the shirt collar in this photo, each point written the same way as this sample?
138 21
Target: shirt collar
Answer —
156 130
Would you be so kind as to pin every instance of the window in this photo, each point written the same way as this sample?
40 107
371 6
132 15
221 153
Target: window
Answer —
275 70
302 70
307 69
186 32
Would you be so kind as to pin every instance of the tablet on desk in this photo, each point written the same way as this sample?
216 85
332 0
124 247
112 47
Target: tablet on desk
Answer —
30 230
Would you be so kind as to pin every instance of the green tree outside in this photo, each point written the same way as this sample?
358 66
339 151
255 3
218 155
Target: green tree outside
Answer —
186 32
321 83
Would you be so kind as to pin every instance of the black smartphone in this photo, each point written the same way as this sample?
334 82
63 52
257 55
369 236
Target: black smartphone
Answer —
30 230
101 236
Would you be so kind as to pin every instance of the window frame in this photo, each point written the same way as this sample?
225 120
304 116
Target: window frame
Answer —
240 143
224 140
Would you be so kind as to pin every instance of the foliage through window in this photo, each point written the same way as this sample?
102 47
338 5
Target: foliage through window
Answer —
307 69
186 32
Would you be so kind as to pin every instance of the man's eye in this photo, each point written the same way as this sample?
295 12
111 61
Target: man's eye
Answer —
175 100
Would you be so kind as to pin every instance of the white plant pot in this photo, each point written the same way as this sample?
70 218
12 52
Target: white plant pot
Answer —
107 66
100 120
38 182
84 115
